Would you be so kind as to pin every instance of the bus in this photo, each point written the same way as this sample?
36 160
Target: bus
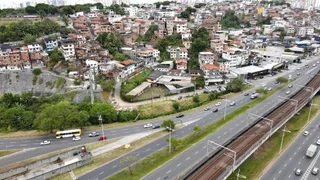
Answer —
68 133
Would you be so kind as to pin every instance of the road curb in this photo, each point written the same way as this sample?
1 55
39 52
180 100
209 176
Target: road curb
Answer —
299 132
19 152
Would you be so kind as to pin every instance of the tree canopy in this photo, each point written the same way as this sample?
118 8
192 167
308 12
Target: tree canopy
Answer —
200 42
236 85
168 124
230 20
111 41
187 12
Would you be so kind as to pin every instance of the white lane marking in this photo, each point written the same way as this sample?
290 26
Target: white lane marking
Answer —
137 154
114 166
294 153
158 179
23 144
168 171
290 159
125 129
112 131
101 173
196 152
148 149
157 144
299 147
26 141
237 125
306 174
285 165
187 158
289 176
299 162
178 164
280 171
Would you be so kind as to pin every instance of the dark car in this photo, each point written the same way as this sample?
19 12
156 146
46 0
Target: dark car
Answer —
180 97
156 126
179 115
246 94
215 110
261 77
102 138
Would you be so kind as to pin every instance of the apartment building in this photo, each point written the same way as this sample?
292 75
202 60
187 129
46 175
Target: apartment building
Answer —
235 56
181 26
181 64
177 52
68 49
206 58
50 44
129 67
34 48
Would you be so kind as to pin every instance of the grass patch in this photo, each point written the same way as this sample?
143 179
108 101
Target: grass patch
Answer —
158 158
60 82
28 161
156 108
254 166
7 152
34 80
111 155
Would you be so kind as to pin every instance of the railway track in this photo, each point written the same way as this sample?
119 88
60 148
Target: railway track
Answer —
223 159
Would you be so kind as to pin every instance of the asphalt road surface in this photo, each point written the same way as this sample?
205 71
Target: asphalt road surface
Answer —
295 157
179 164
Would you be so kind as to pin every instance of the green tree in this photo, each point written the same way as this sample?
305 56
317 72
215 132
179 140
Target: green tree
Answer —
29 39
196 98
99 5
236 85
282 80
187 12
150 33
108 85
175 143
230 20
117 9
176 106
42 14
125 116
212 96
107 112
36 71
262 91
110 41
197 130
119 56
65 20
10 100
31 10
168 124
18 118
200 81
78 119
128 161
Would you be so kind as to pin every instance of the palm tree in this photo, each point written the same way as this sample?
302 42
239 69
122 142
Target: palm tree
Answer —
65 20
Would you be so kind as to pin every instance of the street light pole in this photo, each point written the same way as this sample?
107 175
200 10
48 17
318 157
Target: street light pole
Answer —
100 119
225 108
284 130
170 139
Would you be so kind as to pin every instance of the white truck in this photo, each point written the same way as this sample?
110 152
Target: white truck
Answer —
255 95
311 150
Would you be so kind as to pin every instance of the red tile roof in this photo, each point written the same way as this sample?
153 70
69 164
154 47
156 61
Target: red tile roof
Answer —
210 67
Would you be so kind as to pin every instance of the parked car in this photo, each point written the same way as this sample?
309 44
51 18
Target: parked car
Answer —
180 97
306 133
77 138
315 171
156 126
263 85
46 142
147 125
298 74
94 134
218 103
298 172
179 115
276 82
261 77
102 138
318 142
314 65
215 110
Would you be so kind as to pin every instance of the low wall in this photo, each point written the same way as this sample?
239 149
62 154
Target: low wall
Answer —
24 169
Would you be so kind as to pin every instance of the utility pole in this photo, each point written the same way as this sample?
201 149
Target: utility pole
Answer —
91 86
100 119
283 131
170 139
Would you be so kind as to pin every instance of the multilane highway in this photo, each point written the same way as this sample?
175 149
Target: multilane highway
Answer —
177 166
295 157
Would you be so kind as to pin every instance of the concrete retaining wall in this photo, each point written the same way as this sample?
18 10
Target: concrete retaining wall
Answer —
22 169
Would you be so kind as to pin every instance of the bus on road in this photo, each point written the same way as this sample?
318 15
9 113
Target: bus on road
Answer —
68 133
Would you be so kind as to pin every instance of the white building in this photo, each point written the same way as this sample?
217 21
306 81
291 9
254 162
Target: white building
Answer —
181 26
235 56
67 47
206 58
34 48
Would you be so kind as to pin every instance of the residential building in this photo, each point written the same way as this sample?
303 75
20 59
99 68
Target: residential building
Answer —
186 36
187 44
68 49
236 57
181 26
206 58
181 64
50 44
177 52
34 48
129 67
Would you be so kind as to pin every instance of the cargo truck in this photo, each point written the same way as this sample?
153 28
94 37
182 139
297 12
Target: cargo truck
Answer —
311 150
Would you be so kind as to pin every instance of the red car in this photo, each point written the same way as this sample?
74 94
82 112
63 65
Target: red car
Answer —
102 138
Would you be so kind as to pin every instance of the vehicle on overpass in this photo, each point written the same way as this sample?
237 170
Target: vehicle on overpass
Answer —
311 150
68 133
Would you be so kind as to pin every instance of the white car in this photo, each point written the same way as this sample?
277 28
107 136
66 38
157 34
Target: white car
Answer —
147 125
299 68
315 171
288 92
306 133
77 138
218 103
263 85
207 108
270 89
318 142
232 103
45 142
314 65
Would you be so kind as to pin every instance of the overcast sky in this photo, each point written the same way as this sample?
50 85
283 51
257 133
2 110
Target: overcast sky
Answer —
143 1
